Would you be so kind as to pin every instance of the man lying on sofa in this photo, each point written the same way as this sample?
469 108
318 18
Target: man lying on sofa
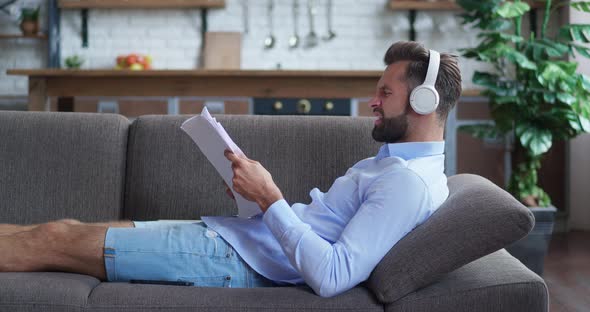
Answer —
331 244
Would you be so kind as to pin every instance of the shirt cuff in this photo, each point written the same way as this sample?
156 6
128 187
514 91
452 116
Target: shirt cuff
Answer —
279 217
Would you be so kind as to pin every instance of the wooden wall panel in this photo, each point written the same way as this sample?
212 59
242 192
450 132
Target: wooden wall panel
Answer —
137 108
474 156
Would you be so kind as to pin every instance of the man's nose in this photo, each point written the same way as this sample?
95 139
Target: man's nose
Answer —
374 102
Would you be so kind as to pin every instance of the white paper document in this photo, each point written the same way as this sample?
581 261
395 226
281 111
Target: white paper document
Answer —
213 140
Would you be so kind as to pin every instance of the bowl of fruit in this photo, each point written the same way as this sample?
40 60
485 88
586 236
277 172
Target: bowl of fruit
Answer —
134 61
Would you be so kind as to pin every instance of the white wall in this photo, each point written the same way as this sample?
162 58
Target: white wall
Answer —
579 157
364 31
19 53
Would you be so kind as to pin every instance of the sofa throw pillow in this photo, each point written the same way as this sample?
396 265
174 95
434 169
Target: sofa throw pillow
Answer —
477 219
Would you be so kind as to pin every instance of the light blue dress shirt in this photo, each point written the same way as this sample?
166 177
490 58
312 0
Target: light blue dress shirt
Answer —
335 242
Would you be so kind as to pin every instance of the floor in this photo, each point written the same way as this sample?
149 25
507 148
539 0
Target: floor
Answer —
567 272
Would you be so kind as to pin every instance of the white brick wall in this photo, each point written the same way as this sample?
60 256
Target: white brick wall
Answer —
172 37
19 53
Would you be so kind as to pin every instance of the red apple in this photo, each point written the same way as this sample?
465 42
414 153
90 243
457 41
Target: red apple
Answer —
140 59
131 59
121 61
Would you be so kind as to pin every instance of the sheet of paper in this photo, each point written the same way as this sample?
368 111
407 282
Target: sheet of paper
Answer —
213 140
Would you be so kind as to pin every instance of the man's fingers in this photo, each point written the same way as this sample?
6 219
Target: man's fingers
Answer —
229 193
230 156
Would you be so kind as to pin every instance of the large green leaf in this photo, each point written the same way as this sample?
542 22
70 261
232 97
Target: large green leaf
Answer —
583 6
585 123
513 9
583 51
566 98
480 14
577 122
496 24
575 32
520 59
537 141
542 47
569 67
549 97
567 85
554 72
549 75
585 82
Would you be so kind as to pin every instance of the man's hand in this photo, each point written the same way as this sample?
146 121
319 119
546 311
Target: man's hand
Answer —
253 182
228 191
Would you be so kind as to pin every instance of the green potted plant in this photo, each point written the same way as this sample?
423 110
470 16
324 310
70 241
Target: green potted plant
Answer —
73 62
535 97
29 21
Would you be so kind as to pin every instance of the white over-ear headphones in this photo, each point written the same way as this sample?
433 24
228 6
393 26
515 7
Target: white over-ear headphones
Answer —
424 98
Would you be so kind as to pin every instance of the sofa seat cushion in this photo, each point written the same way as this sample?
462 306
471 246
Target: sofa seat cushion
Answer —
494 283
45 291
477 219
132 297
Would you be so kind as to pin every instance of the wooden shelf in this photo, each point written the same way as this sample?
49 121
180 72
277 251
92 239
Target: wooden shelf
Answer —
425 5
147 4
21 36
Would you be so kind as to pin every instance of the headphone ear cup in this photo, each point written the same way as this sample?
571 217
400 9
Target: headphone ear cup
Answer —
424 99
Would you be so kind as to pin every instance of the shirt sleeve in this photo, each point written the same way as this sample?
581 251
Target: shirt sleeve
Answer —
393 205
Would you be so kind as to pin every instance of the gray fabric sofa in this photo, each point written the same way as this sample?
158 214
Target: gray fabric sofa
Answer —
97 167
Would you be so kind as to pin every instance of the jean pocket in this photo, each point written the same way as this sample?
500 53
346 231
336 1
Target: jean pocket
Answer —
209 281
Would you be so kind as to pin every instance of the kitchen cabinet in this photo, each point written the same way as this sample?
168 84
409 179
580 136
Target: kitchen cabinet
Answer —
44 83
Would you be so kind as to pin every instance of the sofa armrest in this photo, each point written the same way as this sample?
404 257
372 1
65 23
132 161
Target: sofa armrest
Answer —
494 283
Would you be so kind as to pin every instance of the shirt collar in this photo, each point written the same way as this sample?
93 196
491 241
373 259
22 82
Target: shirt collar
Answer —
411 150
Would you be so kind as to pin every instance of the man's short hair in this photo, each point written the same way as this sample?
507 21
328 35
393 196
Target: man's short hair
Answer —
448 81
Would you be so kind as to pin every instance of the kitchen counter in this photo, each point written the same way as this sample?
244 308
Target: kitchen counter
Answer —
44 83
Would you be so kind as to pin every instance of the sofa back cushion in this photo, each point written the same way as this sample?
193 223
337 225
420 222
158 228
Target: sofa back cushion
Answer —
61 165
477 219
169 178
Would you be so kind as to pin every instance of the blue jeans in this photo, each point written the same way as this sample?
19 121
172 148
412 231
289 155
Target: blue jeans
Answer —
176 251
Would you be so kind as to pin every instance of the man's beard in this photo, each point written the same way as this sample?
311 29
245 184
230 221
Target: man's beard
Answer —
391 130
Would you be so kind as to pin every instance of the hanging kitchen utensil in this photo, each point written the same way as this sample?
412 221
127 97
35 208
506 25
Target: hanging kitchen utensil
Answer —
311 40
269 41
246 16
329 16
294 39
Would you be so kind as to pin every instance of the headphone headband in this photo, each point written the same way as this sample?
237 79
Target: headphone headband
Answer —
433 65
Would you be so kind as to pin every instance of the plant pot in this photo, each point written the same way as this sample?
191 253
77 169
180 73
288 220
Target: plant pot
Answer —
29 28
532 249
